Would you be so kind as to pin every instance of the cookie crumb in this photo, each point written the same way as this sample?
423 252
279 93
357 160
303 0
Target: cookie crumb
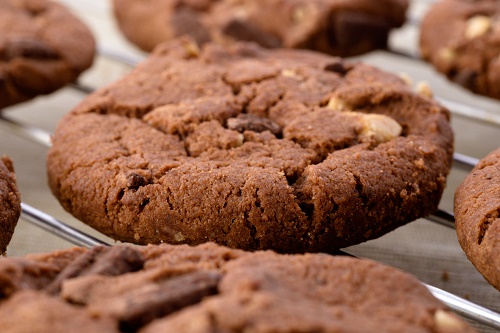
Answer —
447 54
445 275
406 78
336 104
446 321
424 89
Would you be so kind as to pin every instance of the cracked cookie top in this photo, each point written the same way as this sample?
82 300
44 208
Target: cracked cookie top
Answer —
251 148
10 203
339 27
210 288
477 217
42 48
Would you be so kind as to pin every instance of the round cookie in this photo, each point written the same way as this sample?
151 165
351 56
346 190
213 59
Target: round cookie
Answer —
461 39
42 48
252 148
210 288
336 27
477 217
10 203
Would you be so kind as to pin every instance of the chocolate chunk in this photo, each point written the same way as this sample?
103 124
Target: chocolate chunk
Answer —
246 31
185 22
466 78
337 67
35 8
141 306
134 180
353 28
197 4
110 261
28 48
116 261
250 122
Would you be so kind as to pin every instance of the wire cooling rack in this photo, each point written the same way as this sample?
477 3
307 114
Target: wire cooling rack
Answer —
25 132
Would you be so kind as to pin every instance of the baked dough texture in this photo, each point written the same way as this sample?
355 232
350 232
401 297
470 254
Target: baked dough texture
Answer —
252 148
210 288
338 27
477 217
43 47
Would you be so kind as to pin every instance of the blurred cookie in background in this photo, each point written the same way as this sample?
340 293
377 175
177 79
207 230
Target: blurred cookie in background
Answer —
337 27
461 39
43 47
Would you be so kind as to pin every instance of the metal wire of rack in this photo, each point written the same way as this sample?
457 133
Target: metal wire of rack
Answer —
79 237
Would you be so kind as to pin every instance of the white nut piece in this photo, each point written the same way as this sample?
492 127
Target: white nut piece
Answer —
288 72
406 78
179 237
300 13
191 48
336 104
240 140
241 12
378 128
446 322
446 54
477 26
424 89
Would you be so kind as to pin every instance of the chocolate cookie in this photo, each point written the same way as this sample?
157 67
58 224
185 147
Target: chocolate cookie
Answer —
252 148
10 203
462 40
42 48
333 26
477 217
210 288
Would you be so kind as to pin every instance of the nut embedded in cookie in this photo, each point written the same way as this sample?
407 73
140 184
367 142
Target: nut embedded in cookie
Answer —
477 26
379 128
